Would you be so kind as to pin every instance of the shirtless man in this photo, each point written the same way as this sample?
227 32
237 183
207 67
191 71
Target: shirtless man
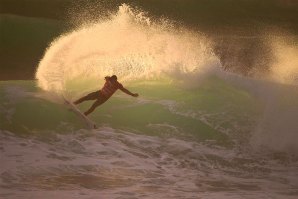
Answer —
110 87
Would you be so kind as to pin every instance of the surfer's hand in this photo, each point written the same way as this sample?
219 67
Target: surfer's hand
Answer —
135 95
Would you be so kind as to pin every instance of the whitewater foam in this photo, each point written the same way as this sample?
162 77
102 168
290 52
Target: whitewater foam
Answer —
114 162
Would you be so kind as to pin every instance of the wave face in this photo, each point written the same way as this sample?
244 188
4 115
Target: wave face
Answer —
195 131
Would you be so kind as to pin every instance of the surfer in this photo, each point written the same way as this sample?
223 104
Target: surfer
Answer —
110 87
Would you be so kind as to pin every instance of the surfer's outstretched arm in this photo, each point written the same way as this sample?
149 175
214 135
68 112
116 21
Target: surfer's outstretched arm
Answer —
128 92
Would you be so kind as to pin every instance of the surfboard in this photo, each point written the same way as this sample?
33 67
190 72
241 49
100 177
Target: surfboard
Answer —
89 123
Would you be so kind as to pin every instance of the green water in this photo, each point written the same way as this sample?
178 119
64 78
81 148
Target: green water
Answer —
163 109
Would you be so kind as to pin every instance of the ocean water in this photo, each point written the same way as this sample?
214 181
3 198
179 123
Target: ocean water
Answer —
195 131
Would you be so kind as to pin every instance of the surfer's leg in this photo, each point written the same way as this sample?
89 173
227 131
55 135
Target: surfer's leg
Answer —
90 96
94 105
80 100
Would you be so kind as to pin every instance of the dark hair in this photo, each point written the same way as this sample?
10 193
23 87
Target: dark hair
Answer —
114 77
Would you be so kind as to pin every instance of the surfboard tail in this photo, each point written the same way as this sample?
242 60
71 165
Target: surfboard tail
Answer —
88 122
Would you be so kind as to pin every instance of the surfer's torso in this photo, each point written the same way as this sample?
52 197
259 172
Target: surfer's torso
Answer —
110 87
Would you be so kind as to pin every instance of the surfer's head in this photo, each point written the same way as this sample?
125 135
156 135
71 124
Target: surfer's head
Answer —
114 78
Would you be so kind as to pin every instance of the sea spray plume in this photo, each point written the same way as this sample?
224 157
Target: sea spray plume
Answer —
128 44
277 128
87 12
285 67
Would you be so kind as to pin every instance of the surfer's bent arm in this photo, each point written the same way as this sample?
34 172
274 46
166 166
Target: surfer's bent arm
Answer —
128 92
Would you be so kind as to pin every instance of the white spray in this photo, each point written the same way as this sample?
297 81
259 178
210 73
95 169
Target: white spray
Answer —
128 45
